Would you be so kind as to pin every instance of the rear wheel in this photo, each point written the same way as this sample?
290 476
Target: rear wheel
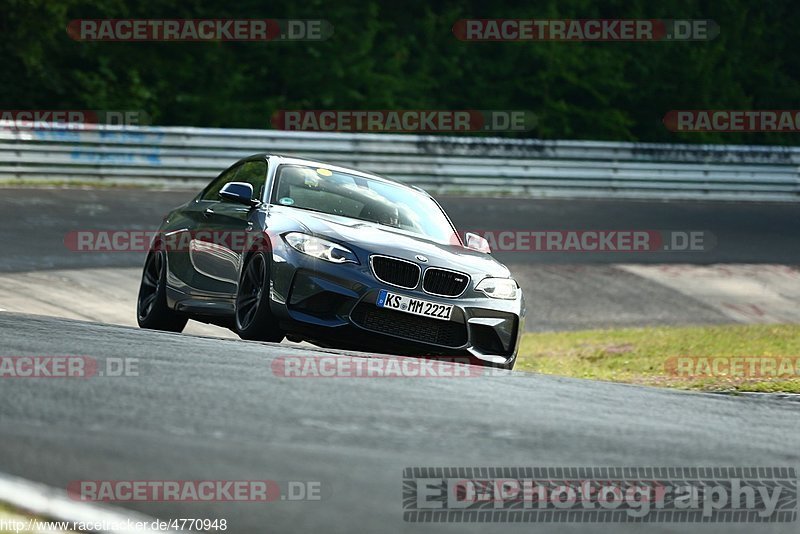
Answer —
254 320
152 311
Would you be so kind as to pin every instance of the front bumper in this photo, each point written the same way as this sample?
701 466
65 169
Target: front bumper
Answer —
335 305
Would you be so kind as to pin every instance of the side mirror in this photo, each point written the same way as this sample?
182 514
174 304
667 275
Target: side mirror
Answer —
240 192
476 242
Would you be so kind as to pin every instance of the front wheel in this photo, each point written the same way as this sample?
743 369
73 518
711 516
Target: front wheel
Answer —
254 320
152 311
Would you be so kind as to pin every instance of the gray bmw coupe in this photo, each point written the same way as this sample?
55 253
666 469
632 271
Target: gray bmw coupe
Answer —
280 247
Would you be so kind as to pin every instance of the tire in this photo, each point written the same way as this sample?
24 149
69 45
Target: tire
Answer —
253 319
152 311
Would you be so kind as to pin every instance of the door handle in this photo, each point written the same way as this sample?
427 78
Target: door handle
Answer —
208 213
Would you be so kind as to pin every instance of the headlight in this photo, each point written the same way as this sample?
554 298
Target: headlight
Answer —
320 248
498 288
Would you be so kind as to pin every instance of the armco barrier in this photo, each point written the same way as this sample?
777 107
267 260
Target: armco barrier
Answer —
439 164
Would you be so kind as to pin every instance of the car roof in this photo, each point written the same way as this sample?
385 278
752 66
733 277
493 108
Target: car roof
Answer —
289 160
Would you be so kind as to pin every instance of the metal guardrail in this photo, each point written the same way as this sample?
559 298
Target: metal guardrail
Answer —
439 164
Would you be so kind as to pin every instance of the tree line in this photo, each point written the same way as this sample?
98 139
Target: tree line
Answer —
405 55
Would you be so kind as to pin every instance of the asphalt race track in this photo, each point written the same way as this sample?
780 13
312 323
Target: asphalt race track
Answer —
205 408
564 290
211 408
34 222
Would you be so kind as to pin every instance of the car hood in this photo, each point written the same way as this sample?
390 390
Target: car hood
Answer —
378 239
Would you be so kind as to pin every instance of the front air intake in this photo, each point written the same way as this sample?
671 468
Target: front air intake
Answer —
395 272
444 283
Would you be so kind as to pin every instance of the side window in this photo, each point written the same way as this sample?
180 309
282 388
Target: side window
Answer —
255 174
212 192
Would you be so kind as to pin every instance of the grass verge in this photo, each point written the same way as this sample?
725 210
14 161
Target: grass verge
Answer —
19 522
731 358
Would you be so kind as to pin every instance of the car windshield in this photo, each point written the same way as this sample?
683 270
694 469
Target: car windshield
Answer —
357 197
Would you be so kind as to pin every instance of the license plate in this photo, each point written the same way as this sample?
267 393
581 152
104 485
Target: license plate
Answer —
415 306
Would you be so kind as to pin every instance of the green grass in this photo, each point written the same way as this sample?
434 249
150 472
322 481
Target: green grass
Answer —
9 514
648 355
